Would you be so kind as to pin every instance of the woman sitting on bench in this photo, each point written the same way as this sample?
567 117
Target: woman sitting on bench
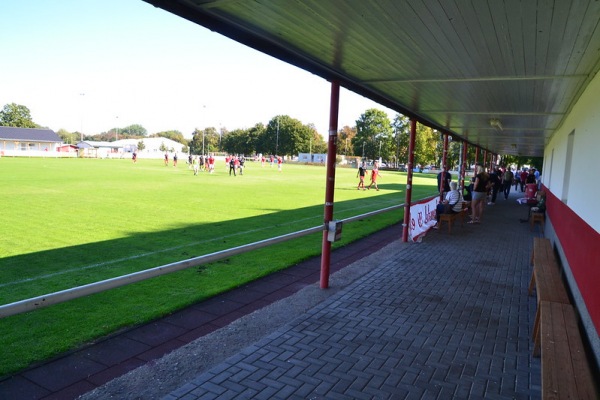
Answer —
452 204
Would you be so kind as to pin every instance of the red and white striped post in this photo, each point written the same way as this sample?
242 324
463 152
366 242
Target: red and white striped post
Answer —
334 105
409 175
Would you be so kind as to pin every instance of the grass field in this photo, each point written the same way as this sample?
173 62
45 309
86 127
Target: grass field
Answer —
68 222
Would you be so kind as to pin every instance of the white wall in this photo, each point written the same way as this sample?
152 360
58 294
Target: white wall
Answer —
583 188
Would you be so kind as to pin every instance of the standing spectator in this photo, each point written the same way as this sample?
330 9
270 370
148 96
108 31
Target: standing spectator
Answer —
361 175
495 182
530 176
374 175
517 180
175 159
523 175
447 180
507 182
480 189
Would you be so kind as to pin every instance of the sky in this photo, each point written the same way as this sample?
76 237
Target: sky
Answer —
92 65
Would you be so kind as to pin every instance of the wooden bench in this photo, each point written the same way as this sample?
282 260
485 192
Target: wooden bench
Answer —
450 218
547 282
536 217
566 373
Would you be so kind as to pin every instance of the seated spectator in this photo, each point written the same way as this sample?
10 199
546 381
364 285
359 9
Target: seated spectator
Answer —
540 206
452 204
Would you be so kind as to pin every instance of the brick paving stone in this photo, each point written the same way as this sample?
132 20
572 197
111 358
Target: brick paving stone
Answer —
445 318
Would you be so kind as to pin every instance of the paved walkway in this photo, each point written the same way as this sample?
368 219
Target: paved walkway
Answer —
445 318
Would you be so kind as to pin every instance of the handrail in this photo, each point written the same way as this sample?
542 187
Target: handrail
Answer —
46 300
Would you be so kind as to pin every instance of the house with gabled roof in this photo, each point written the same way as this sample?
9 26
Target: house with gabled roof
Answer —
27 141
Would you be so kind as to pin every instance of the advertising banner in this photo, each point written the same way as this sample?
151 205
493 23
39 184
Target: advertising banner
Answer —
422 218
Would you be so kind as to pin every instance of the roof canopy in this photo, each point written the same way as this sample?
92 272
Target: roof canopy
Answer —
500 74
28 134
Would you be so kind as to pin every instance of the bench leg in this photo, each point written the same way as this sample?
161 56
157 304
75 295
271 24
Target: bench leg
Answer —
531 283
536 333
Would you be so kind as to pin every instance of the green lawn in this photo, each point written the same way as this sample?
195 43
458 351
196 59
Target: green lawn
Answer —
68 222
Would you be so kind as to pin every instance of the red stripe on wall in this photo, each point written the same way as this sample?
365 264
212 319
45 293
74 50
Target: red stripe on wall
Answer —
581 245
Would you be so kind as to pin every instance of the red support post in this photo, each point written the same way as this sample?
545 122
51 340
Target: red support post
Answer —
409 175
444 166
463 169
476 155
334 105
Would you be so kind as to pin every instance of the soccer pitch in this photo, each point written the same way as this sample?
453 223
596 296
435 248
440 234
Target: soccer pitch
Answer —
69 222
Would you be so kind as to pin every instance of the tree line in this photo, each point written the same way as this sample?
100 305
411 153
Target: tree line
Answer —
374 137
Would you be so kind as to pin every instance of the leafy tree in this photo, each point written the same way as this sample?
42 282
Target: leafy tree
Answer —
204 141
317 143
236 142
401 126
453 155
196 142
212 139
426 145
68 137
345 136
255 135
173 135
17 116
374 135
243 141
520 161
140 145
286 136
135 130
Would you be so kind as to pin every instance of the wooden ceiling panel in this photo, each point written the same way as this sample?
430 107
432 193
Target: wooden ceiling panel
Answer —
451 64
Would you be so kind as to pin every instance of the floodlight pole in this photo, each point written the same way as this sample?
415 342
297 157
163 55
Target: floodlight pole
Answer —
334 105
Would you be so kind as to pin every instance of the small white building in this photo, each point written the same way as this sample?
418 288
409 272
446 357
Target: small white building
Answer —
28 142
153 148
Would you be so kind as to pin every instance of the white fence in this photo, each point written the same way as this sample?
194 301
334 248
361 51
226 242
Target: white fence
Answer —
101 286
38 153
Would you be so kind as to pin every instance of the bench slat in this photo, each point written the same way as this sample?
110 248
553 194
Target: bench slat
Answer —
565 370
548 283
